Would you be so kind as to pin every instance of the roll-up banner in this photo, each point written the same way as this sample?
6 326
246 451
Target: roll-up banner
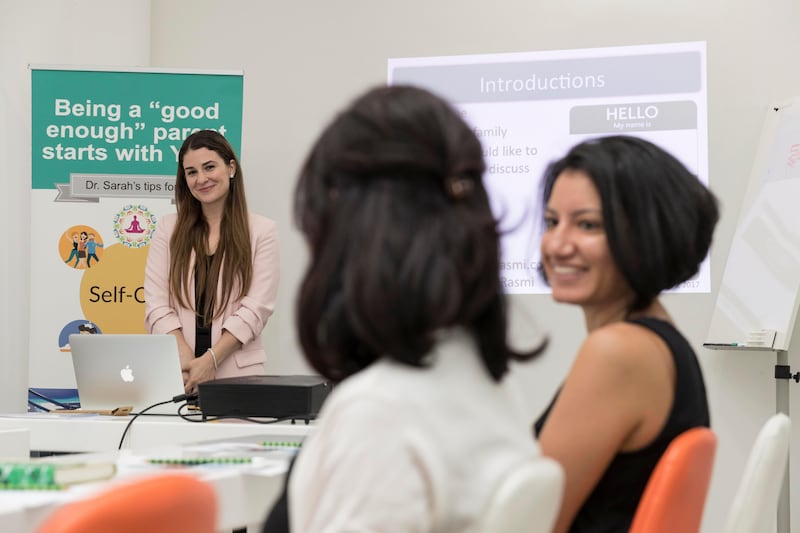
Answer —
104 159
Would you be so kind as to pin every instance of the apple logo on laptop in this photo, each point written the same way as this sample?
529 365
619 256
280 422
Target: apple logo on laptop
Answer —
126 374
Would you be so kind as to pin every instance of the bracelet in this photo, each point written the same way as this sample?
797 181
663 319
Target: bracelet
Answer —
213 357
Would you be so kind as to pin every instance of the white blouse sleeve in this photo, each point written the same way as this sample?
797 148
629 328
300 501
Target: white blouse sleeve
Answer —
364 473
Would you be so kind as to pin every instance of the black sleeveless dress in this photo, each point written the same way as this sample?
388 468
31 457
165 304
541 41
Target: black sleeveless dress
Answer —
611 505
202 331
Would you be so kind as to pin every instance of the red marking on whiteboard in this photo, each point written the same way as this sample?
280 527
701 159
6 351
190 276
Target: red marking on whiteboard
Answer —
794 155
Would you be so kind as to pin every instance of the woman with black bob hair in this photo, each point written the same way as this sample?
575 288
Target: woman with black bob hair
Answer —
623 221
402 304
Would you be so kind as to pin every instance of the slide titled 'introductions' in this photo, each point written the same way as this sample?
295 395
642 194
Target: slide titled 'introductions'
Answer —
530 108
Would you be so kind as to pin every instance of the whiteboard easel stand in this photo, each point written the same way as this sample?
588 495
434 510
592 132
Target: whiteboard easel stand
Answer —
782 376
768 208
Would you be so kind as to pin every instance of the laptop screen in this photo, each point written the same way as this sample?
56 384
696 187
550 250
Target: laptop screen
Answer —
116 370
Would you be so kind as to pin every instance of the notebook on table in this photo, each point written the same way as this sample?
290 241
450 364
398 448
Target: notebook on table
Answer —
116 370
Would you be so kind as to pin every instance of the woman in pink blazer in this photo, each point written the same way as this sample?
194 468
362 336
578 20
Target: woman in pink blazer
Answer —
212 271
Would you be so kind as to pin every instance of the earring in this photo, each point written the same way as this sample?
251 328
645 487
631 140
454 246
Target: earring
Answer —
232 176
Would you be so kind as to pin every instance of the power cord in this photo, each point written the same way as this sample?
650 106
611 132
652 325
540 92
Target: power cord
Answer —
175 399
189 417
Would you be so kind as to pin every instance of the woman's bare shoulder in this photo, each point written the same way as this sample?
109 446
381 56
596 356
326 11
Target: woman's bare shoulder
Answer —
620 346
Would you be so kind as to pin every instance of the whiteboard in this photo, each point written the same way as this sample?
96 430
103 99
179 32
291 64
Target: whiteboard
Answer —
760 287
529 108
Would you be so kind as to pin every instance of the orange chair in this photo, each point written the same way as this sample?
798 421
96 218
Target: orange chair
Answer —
675 495
165 503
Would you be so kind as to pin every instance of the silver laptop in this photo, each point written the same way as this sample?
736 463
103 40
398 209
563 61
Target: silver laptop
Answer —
116 370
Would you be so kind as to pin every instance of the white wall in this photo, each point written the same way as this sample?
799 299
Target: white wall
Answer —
304 60
44 32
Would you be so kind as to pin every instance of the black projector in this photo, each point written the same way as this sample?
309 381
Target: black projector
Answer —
296 397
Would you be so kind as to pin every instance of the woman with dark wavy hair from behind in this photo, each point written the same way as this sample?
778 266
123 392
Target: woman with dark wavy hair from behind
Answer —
402 305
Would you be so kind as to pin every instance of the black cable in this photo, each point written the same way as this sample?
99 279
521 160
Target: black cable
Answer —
54 402
186 416
273 420
184 397
245 418
175 399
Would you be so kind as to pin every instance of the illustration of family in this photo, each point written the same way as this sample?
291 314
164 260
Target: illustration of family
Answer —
84 249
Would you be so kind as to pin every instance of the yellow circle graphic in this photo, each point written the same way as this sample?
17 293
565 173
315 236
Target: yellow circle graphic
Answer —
113 296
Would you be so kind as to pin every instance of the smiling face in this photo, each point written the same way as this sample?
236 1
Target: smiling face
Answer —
207 176
575 252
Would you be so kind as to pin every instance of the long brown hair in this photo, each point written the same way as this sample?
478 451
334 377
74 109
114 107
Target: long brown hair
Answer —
232 258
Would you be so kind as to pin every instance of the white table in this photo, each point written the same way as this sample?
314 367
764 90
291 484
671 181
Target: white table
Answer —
244 494
99 433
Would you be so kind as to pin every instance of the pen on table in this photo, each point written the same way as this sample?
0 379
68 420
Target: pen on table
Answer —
733 344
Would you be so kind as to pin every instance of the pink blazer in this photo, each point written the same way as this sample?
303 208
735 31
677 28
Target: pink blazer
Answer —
244 319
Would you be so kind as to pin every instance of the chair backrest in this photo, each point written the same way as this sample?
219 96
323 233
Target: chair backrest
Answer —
755 506
164 503
675 495
527 500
